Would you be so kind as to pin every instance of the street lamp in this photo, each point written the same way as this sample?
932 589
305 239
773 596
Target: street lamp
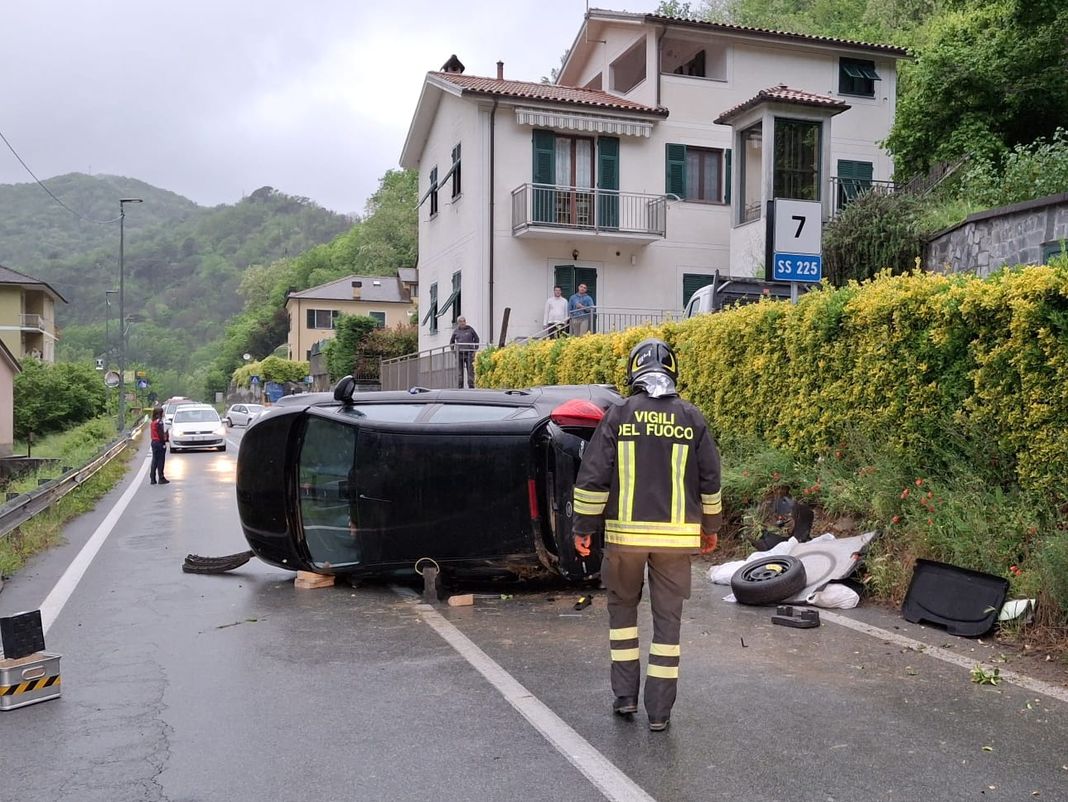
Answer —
122 309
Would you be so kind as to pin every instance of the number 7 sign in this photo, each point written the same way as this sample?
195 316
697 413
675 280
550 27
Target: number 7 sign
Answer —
797 229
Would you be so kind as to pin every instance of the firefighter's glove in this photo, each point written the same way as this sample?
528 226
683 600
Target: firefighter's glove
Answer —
709 541
582 545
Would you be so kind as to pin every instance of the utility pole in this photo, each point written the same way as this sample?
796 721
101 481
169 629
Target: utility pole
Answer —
122 310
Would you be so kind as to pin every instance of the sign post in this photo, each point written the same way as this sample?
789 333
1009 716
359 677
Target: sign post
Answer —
795 235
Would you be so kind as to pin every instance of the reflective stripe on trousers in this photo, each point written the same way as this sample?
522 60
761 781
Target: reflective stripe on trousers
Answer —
623 575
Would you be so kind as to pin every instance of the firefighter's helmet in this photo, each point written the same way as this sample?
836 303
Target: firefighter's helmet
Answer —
652 355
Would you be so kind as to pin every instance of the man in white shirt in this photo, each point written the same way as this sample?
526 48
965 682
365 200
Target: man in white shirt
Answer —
555 318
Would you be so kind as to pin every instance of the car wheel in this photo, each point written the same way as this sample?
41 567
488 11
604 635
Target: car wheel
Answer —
768 580
228 422
222 447
174 450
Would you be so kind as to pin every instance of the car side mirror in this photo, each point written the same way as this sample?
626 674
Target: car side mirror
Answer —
344 389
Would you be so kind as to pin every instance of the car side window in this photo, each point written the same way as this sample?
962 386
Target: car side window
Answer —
325 469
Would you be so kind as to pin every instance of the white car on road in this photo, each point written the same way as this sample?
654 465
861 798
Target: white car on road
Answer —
242 414
197 426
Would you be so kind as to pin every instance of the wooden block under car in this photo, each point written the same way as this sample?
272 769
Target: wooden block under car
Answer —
309 579
462 600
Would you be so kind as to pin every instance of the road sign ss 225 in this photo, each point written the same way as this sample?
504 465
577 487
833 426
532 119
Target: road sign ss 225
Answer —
796 241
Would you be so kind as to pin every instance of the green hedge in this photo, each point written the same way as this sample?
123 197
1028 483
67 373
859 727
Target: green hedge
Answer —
926 364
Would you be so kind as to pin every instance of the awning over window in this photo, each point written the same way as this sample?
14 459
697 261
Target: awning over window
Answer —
569 121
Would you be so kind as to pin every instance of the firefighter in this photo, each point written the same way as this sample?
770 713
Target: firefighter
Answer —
650 475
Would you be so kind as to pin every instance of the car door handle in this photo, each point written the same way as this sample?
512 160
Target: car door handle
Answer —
365 497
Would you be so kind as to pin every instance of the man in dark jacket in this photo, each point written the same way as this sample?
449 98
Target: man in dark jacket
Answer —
650 475
465 340
159 447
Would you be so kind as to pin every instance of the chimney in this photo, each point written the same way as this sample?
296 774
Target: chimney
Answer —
500 70
356 285
453 65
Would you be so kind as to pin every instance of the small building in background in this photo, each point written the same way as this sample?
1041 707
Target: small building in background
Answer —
9 368
313 313
28 315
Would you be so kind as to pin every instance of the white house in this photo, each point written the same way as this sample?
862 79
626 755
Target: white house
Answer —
628 174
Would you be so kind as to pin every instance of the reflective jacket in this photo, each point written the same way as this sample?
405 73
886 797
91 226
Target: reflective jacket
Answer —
651 473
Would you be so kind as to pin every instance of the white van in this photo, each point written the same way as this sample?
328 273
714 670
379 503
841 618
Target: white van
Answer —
731 291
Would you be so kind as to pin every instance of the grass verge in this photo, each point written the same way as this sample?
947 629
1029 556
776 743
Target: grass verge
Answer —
45 530
951 512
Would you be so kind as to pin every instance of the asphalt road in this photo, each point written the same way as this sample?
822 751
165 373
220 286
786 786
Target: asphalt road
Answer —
241 687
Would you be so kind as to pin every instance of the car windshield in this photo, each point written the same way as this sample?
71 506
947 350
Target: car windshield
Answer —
196 416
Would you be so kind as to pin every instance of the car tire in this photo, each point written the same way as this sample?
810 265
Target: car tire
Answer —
228 422
222 448
768 580
174 450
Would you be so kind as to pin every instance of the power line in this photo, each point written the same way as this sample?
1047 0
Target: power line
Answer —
46 189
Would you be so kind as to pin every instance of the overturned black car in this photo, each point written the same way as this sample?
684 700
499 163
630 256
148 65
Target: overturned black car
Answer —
479 481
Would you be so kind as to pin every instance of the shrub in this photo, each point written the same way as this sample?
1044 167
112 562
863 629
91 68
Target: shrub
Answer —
51 398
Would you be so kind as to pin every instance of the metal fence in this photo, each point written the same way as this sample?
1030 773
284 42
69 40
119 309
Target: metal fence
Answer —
587 208
845 190
22 508
435 369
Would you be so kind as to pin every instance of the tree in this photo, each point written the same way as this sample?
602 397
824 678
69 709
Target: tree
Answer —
51 398
352 331
992 75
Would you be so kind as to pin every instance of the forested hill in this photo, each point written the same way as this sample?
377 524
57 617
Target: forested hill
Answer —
34 229
183 262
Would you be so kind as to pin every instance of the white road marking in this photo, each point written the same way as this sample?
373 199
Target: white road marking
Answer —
945 655
53 603
598 769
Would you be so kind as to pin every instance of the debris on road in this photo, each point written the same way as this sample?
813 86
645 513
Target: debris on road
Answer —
195 564
787 616
584 602
967 603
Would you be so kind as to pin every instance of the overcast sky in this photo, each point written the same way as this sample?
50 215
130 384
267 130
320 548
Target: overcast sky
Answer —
215 98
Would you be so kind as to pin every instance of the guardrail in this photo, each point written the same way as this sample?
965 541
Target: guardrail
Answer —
19 510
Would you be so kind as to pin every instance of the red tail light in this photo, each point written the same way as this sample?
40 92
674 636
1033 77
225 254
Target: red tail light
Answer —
532 494
577 412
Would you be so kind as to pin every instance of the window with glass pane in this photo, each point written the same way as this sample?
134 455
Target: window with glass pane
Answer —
574 170
322 318
752 158
380 318
325 474
704 170
857 77
797 159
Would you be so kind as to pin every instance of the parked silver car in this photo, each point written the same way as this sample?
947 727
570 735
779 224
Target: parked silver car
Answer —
242 414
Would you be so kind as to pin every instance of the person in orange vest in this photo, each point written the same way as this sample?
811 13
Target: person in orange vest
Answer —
159 447
651 477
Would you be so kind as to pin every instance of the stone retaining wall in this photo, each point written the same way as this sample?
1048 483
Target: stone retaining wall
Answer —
1009 235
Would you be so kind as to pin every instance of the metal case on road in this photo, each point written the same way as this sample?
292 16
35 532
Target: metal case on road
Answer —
29 680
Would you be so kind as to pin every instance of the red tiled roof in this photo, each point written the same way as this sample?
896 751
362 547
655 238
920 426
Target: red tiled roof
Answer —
783 94
526 90
890 50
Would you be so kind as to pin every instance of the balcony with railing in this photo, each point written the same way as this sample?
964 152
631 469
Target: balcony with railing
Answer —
549 211
845 190
37 323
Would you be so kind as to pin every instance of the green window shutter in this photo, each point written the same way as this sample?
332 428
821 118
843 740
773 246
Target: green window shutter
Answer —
544 157
587 276
564 278
544 172
727 175
608 179
608 162
675 183
691 283
853 178
434 308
